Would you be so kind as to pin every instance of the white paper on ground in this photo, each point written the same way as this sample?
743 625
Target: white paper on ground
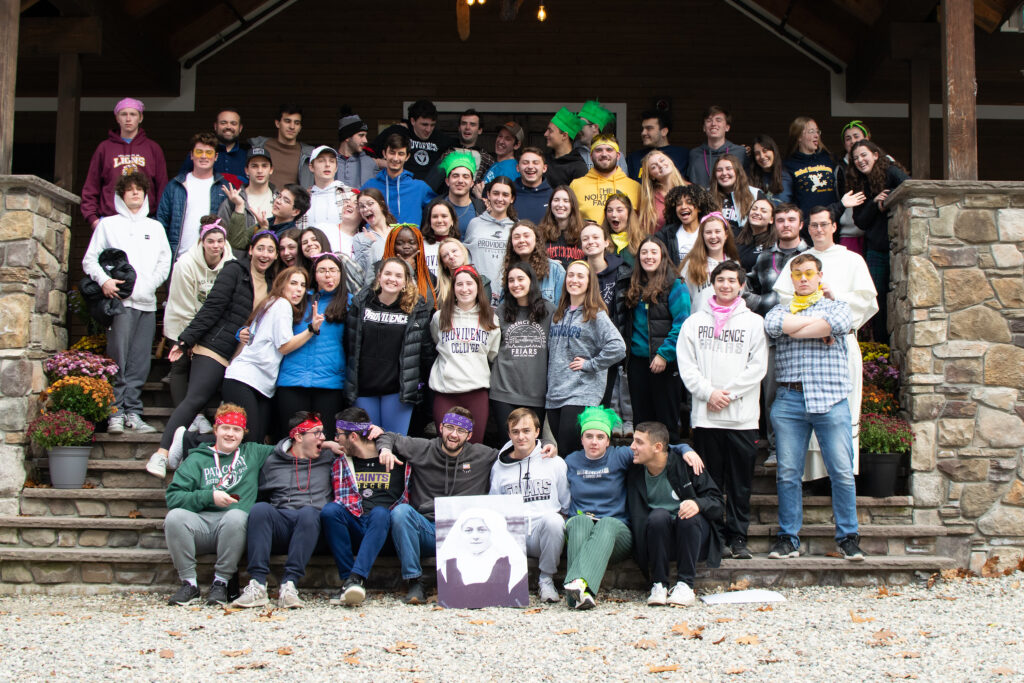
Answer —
737 597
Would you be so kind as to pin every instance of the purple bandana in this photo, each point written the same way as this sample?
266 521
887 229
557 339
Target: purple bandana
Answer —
360 428
457 421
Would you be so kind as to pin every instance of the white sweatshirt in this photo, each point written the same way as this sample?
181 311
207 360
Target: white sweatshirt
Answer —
542 481
464 353
735 361
191 282
144 240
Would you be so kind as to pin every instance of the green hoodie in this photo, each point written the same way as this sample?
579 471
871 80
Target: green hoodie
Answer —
194 481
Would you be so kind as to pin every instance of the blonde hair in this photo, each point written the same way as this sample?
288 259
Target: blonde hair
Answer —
647 211
445 281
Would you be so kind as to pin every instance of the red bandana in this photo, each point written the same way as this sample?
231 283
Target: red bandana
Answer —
304 426
467 269
237 419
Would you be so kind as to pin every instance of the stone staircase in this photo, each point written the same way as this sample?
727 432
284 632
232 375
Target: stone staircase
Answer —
109 535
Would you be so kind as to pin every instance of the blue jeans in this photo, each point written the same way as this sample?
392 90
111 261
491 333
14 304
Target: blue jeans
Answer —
345 531
413 535
387 412
272 529
793 426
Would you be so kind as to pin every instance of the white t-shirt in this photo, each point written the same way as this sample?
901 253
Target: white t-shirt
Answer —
263 202
686 240
430 252
343 245
197 205
259 362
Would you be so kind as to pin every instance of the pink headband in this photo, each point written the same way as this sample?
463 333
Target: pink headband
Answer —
714 214
211 226
129 103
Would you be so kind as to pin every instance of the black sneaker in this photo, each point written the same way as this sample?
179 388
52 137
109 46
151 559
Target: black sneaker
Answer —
353 592
850 549
186 595
783 548
417 594
218 594
740 550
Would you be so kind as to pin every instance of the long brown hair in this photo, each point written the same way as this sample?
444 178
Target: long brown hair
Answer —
695 266
485 314
740 189
647 210
574 222
796 129
277 292
538 258
874 181
771 180
409 296
644 286
763 239
338 308
592 301
377 196
633 230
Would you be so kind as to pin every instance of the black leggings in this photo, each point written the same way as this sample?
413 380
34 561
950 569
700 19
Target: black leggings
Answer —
205 377
257 407
655 396
290 400
565 428
179 378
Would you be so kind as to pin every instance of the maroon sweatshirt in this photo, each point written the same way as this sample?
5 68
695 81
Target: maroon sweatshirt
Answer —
113 158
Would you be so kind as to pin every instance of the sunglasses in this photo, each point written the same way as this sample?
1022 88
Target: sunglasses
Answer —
209 153
809 274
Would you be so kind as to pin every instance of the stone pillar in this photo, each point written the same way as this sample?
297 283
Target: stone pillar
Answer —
35 239
957 310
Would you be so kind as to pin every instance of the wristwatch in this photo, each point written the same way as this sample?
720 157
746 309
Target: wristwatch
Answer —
311 330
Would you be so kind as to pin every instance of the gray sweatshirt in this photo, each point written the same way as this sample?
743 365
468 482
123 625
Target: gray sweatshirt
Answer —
598 341
519 374
290 484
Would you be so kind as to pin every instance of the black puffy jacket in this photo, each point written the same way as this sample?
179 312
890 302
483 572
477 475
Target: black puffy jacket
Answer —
418 349
227 307
114 263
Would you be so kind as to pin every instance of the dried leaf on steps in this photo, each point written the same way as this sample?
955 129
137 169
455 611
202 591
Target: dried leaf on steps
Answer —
769 660
351 660
251 665
719 641
765 608
858 619
285 650
884 592
352 652
736 670
176 634
400 647
724 620
685 631
834 553
567 631
645 644
748 640
231 610
236 653
901 676
481 622
534 610
658 669
166 654
990 569
741 585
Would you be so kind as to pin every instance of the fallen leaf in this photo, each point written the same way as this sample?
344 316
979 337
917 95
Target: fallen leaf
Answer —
285 650
685 631
927 634
892 675
400 648
589 648
741 585
833 553
639 616
351 660
134 514
645 644
567 631
909 655
719 641
352 652
436 608
231 610
481 622
724 620
658 669
251 665
947 597
932 579
88 485
236 653
859 620
1003 671
166 654
990 569
736 670
176 634
765 608
748 640
535 610
770 660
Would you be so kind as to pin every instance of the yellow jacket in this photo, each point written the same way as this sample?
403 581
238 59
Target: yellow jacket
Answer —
593 189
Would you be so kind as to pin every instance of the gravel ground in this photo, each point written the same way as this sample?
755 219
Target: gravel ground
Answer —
957 630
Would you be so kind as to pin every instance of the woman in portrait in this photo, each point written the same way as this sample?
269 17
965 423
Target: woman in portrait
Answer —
480 564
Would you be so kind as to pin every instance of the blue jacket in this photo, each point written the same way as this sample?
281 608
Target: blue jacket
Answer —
532 202
171 212
404 195
320 362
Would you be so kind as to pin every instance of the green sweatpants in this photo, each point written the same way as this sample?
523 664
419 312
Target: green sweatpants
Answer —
592 545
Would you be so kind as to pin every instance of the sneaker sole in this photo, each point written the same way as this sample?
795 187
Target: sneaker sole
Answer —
777 556
657 603
262 603
853 558
584 605
681 604
175 603
353 597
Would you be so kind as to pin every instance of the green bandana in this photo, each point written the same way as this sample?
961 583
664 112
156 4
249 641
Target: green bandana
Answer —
604 419
567 122
457 159
599 116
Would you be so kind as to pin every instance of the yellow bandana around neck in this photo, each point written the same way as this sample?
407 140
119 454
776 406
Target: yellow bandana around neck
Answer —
620 240
802 301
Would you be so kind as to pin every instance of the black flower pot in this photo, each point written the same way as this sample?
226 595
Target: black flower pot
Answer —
878 474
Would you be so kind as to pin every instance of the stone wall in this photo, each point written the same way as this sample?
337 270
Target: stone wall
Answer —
957 324
35 240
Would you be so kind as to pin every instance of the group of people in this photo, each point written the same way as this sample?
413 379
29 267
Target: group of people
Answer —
420 278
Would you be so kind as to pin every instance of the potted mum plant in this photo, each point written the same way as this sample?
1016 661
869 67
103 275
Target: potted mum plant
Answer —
884 442
66 437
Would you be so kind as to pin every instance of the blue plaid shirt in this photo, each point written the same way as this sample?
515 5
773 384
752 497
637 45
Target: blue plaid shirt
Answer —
821 368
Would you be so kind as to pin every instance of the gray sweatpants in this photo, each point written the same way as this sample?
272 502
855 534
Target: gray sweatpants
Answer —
544 540
193 533
130 345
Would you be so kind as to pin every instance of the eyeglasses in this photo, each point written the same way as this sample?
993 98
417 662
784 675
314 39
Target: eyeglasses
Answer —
317 433
209 153
812 131
328 271
809 274
458 430
819 226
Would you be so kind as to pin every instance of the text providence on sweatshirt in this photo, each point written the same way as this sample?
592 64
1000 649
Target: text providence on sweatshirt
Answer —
463 353
597 341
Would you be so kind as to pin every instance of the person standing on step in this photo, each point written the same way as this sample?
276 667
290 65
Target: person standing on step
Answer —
357 520
675 511
722 358
208 504
190 196
295 484
813 375
564 163
130 337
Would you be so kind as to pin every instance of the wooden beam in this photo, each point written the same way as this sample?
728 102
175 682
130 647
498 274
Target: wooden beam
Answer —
868 11
989 15
876 45
9 12
959 113
914 40
69 100
920 121
59 35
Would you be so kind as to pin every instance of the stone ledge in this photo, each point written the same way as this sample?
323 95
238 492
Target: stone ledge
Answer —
37 184
934 188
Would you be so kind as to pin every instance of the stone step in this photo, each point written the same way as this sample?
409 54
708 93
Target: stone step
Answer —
95 502
117 473
152 569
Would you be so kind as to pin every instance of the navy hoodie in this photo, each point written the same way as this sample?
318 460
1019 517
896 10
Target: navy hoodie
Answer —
532 202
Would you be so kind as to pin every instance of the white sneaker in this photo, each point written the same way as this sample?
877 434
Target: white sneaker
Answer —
575 590
176 451
157 465
115 425
134 422
546 588
289 596
659 595
253 595
681 595
201 425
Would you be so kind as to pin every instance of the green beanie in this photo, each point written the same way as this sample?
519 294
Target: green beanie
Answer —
597 417
599 116
456 159
567 122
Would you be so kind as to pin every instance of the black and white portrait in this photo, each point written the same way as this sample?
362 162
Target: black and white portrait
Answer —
481 552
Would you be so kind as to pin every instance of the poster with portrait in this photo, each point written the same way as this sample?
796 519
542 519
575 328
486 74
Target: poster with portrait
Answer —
481 552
